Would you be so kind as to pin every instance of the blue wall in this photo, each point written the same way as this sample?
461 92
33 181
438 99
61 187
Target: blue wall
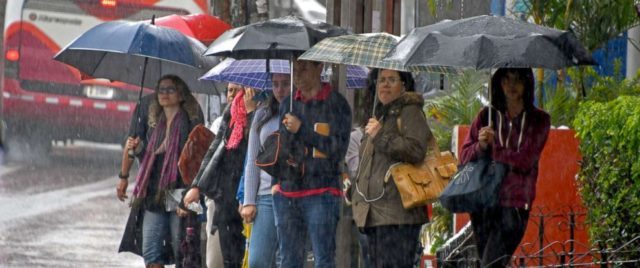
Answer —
616 49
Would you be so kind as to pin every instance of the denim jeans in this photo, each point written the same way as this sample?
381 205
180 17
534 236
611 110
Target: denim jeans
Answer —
264 239
316 215
156 226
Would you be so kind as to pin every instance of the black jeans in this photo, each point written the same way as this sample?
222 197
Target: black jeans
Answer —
498 231
392 246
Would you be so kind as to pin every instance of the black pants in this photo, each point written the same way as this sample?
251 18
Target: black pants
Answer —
393 246
232 243
498 232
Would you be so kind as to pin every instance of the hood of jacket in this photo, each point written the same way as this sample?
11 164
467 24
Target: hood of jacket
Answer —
395 107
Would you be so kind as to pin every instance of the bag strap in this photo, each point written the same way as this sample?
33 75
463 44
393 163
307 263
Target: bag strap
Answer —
432 144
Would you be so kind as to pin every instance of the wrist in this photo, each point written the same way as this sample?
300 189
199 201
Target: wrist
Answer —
123 176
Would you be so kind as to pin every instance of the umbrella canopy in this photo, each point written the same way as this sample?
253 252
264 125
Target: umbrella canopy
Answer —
253 73
205 28
489 42
363 50
280 38
117 50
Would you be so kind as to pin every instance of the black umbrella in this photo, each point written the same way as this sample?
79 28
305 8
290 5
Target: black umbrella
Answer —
483 42
489 42
281 38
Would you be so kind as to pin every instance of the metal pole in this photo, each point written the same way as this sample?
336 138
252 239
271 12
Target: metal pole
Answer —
541 239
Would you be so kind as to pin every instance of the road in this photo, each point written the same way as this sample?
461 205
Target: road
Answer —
63 212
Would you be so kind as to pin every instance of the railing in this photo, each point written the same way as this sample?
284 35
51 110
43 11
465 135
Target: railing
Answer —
460 251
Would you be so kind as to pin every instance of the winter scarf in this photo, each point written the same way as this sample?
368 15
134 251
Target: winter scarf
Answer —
238 121
169 172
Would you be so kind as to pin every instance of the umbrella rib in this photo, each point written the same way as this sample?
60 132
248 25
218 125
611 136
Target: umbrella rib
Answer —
95 67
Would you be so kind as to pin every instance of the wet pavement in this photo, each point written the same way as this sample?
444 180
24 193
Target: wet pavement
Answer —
62 212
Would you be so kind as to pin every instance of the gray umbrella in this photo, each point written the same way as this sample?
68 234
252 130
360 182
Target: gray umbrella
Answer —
489 42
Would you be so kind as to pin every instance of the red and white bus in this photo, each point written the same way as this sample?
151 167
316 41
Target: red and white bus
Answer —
45 100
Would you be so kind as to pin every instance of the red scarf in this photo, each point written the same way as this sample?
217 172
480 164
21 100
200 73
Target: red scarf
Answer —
238 121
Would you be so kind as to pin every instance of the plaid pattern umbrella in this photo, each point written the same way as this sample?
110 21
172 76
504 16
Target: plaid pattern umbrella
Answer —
253 73
363 50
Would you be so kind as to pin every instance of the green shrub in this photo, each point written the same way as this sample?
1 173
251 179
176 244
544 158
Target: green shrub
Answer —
459 107
609 179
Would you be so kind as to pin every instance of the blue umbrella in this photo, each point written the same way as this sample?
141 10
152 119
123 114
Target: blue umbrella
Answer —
253 73
138 53
356 76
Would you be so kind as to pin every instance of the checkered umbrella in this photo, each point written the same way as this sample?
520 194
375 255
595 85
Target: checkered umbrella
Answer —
253 73
250 73
363 50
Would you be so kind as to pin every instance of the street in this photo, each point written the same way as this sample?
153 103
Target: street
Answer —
64 212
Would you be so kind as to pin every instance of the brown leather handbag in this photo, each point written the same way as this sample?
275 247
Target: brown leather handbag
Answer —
193 152
422 183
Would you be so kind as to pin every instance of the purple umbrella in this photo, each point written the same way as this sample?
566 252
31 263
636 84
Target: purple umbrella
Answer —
254 74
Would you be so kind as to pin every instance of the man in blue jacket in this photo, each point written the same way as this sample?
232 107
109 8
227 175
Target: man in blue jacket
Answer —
321 121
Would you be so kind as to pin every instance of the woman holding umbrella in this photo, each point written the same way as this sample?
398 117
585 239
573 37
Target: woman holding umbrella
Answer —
173 113
515 137
398 132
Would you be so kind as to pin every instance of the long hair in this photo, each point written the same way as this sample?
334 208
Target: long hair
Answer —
499 100
272 108
189 103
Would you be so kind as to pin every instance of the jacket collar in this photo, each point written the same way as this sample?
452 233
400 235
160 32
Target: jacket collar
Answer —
321 96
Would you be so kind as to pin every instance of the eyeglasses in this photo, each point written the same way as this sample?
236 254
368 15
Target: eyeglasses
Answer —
391 80
167 90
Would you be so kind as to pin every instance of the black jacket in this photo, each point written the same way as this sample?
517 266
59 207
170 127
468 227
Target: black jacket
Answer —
219 176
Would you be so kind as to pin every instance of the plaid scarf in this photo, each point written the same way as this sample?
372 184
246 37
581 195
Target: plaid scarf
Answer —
169 172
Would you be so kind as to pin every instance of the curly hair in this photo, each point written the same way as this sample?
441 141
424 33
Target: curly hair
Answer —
369 98
189 103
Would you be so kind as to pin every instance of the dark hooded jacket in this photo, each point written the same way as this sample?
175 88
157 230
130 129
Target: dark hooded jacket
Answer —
392 145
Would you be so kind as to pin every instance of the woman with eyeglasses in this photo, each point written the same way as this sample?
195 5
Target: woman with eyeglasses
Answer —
173 113
397 132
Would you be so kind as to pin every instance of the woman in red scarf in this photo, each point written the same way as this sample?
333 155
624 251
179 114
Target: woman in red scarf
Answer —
220 173
173 113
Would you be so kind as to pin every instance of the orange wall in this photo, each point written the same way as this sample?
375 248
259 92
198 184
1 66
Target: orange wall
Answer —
556 197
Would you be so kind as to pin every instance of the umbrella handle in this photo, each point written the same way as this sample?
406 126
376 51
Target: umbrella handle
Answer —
375 95
291 84
490 101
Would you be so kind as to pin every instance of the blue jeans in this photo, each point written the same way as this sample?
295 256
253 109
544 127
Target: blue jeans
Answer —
157 226
264 239
316 215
